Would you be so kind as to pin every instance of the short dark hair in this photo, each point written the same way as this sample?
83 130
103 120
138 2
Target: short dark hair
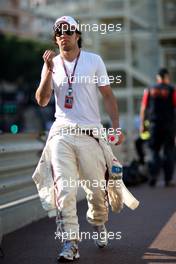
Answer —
163 72
79 33
80 39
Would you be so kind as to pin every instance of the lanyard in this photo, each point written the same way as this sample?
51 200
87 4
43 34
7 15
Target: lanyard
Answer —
70 80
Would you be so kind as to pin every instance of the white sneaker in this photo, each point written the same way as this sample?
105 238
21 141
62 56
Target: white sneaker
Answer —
69 252
102 240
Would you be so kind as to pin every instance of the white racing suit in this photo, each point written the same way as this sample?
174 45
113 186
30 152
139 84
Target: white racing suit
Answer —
70 158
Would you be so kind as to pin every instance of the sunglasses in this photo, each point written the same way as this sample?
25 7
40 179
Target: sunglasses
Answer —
60 32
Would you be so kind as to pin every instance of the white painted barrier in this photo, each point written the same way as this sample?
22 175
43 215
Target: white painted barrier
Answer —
19 203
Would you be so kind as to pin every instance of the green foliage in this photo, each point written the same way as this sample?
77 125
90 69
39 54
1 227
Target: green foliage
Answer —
21 59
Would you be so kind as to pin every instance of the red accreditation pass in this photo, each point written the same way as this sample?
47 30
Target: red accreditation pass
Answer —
68 101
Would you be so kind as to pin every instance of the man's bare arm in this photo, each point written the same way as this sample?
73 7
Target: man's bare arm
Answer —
144 104
110 104
142 118
44 91
112 108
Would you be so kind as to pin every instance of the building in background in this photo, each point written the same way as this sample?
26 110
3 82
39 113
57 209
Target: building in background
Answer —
17 18
145 42
167 35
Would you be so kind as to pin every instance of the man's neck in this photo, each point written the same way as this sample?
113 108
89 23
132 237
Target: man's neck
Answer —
70 55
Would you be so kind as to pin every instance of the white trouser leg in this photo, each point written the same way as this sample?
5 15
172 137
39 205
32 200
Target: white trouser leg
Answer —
92 168
64 167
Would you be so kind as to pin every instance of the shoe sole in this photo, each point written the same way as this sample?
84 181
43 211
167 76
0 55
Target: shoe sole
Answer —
62 259
100 246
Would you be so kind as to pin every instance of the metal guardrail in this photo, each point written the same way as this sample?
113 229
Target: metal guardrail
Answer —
19 203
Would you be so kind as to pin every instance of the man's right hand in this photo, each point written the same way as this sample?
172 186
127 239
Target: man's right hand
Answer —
142 128
48 59
116 139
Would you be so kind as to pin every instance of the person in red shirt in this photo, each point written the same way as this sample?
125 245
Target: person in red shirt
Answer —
159 104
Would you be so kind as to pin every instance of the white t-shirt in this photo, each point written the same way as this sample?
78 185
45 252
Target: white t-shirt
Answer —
90 73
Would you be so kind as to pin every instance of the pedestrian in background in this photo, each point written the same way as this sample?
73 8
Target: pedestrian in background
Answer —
159 104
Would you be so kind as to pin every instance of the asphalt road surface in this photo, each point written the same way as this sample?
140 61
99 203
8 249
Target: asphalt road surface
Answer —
148 234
